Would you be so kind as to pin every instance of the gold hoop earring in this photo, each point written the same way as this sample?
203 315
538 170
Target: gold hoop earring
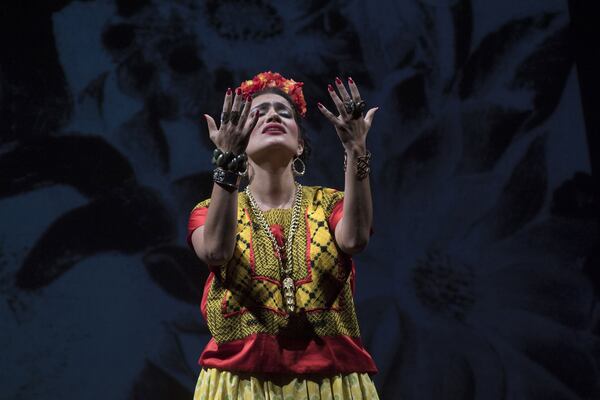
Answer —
294 170
244 173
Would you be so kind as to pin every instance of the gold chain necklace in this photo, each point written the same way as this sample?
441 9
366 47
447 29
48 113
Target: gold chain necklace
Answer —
286 266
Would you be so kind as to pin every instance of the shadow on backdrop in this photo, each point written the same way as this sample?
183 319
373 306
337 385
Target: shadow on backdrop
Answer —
477 283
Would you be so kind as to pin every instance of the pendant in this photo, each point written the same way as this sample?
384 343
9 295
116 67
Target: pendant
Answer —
288 292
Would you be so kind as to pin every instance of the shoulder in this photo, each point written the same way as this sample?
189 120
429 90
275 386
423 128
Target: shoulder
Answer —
324 196
242 201
203 204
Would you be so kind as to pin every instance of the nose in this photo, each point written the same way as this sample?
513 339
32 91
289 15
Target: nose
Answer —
272 116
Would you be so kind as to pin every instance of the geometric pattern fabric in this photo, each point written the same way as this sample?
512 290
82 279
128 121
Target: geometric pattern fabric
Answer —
245 295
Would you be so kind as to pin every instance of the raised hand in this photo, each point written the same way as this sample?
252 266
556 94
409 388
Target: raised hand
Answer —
351 124
233 133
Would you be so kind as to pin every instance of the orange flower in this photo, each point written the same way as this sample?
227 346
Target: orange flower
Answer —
274 79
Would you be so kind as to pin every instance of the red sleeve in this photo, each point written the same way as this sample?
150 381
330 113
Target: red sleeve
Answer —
336 214
197 217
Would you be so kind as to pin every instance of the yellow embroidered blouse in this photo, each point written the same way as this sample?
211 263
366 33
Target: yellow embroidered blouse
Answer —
244 306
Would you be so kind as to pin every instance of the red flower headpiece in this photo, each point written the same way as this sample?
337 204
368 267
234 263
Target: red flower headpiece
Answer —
274 79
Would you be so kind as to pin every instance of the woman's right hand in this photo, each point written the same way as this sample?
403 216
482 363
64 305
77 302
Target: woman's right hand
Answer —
233 135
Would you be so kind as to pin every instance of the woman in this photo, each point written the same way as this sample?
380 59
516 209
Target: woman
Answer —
279 298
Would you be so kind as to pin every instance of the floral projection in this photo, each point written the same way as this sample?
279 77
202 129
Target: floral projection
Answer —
479 282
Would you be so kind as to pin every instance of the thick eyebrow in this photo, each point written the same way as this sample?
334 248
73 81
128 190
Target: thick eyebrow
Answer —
276 103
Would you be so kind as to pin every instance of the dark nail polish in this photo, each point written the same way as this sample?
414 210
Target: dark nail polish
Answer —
229 91
350 79
329 87
319 105
238 91
338 80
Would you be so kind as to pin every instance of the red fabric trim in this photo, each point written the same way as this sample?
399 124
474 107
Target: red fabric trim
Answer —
277 231
207 284
336 215
245 310
197 218
268 279
271 354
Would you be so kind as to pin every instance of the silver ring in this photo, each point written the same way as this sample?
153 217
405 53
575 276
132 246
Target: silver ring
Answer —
349 106
358 110
235 117
225 116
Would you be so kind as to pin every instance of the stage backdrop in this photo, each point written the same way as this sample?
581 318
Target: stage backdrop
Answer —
476 283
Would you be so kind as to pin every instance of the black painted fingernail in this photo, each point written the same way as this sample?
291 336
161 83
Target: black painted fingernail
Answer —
350 79
329 87
319 105
229 91
338 80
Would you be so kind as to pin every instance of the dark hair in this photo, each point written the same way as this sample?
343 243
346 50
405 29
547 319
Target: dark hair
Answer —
301 130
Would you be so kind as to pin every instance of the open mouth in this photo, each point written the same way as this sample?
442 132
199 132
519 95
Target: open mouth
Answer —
274 132
273 129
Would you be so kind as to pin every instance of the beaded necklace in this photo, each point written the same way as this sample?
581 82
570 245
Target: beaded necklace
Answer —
285 264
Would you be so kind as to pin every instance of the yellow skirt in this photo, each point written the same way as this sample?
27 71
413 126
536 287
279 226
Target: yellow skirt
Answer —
216 384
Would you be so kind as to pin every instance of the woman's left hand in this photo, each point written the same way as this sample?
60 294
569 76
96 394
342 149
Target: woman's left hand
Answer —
352 129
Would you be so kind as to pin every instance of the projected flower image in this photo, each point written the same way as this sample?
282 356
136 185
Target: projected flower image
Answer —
478 281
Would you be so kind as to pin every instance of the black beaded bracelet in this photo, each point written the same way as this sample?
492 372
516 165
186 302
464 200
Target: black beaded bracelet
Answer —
229 180
229 161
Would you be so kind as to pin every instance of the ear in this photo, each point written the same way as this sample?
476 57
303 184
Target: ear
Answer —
300 147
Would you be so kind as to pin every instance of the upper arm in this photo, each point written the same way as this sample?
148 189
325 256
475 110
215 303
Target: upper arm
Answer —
341 241
197 240
195 234
336 223
335 220
338 237
197 243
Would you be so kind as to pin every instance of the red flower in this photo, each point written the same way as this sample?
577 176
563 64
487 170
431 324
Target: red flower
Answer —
274 79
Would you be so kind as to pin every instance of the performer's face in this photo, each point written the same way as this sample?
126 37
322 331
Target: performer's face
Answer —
276 132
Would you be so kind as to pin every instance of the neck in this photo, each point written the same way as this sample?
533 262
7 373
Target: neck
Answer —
273 185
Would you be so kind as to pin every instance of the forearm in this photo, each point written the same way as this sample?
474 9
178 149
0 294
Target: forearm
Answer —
358 206
220 226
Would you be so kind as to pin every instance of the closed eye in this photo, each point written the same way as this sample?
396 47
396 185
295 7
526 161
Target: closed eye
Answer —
281 109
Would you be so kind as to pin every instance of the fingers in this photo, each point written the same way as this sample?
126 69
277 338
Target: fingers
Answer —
253 121
338 103
238 100
342 89
369 116
228 100
232 131
334 120
212 126
354 90
245 112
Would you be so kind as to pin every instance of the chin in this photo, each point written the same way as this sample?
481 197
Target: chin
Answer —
268 151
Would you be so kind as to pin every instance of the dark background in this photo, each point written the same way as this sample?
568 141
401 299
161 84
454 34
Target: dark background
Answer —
481 280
